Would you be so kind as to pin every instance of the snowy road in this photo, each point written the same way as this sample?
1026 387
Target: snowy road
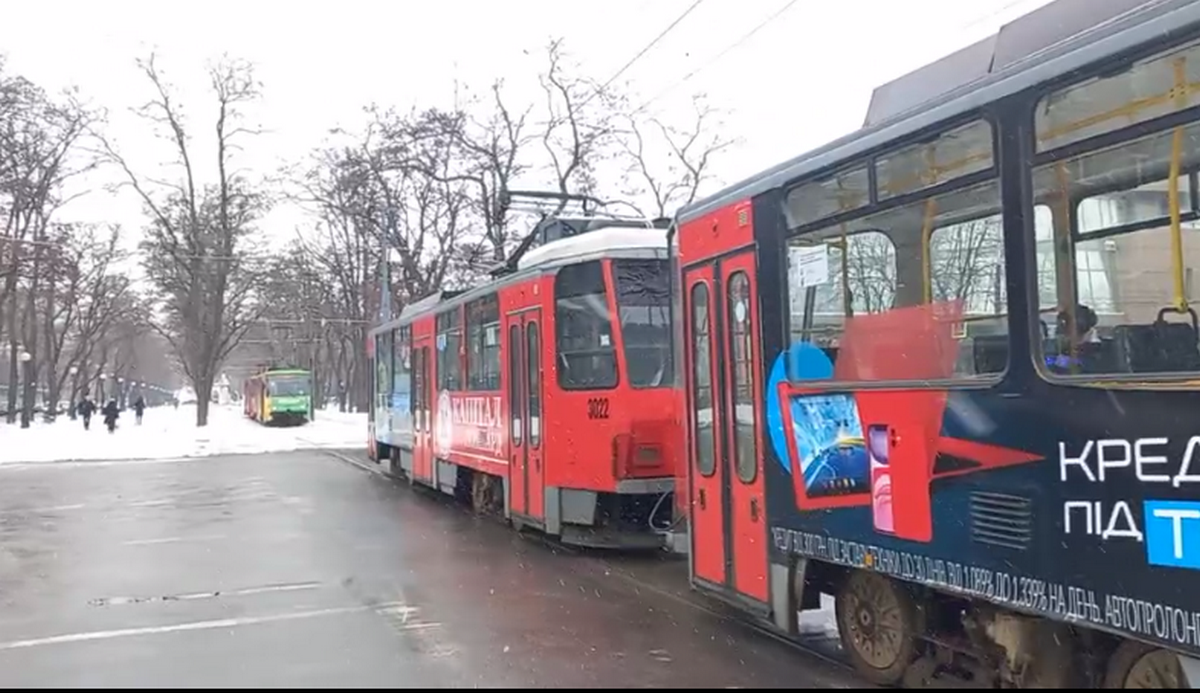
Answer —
168 433
296 569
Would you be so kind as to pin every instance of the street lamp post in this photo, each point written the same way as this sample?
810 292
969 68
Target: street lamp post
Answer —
26 360
100 399
73 372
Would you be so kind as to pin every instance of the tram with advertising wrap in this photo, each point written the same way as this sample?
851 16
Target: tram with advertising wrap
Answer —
548 393
946 368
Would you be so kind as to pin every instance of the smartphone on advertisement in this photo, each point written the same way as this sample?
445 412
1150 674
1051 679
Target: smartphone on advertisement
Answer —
881 478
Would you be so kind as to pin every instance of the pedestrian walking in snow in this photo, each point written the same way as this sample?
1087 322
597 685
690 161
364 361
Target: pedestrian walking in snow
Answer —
111 413
85 409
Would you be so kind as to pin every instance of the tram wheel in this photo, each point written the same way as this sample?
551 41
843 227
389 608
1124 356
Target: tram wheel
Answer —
483 496
1138 665
878 625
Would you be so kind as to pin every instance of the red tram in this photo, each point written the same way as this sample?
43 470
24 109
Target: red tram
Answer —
946 368
547 393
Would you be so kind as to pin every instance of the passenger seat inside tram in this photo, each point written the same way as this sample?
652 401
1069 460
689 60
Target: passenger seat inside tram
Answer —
1159 347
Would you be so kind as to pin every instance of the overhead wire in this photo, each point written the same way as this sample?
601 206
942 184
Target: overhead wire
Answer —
778 13
745 37
993 14
645 49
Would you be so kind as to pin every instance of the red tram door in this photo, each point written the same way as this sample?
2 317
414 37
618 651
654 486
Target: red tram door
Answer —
729 531
422 410
526 476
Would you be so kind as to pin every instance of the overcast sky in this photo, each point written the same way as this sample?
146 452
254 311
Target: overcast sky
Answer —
803 79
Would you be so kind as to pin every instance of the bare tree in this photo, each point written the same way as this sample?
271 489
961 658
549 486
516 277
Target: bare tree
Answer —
86 297
968 264
395 194
197 251
38 136
488 142
669 165
580 129
425 192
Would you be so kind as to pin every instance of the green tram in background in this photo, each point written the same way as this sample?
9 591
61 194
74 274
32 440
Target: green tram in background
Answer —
279 397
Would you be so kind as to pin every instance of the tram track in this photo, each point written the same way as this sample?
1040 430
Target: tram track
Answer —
612 564
695 600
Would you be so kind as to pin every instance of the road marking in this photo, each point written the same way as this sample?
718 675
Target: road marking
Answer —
44 509
171 540
70 464
192 596
151 503
400 617
182 627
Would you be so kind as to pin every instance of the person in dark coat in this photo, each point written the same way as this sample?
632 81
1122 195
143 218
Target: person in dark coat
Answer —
85 409
111 413
139 408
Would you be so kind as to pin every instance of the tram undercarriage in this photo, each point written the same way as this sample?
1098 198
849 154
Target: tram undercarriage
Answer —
897 633
637 517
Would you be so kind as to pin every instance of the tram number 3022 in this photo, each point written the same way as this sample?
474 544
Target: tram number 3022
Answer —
597 408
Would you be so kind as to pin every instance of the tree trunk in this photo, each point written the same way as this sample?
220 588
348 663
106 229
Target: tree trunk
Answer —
29 385
341 376
14 375
203 387
10 293
51 354
96 381
202 404
362 376
53 396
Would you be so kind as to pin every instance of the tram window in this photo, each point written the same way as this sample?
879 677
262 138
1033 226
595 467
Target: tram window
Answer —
644 309
449 350
533 355
583 329
829 196
514 383
1139 94
869 268
968 265
1120 313
402 373
383 364
483 344
955 153
940 319
702 385
741 354
419 372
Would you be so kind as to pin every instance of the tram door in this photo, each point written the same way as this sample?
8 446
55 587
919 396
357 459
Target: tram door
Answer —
524 388
422 408
729 532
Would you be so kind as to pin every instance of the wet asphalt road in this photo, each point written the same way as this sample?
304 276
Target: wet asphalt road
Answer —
298 569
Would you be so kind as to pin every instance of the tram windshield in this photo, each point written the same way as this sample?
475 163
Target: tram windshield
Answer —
587 359
287 385
643 289
584 325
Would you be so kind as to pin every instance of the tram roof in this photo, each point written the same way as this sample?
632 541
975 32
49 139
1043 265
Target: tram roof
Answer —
603 242
609 242
1056 39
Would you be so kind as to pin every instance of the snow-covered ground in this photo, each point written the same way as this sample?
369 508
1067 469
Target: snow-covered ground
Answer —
170 433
